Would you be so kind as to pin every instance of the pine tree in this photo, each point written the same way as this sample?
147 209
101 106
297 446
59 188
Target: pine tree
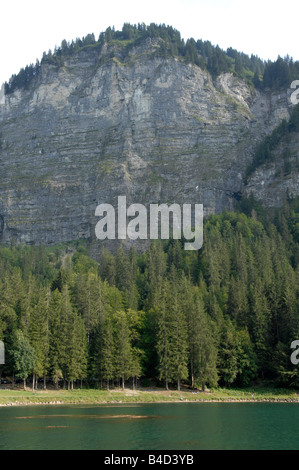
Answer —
24 356
205 354
123 353
89 300
107 352
247 359
77 349
172 342
164 340
228 354
55 337
39 336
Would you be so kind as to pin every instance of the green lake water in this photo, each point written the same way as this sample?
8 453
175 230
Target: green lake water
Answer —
171 426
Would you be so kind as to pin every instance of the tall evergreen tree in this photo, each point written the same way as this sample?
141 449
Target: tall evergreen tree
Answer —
24 356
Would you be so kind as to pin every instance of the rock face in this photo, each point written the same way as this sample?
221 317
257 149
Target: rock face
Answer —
270 183
156 130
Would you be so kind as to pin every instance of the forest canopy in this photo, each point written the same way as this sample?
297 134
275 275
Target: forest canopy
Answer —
225 315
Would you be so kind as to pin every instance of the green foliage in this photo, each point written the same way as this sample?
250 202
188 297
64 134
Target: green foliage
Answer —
265 149
201 53
23 79
23 355
280 73
226 314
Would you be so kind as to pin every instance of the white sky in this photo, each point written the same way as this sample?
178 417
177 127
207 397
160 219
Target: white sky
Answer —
266 28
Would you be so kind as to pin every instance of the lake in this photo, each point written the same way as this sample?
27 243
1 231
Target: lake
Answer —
167 426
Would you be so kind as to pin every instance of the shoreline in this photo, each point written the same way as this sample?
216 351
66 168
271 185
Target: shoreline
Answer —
95 397
30 404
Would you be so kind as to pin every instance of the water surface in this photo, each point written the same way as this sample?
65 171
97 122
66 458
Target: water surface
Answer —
167 426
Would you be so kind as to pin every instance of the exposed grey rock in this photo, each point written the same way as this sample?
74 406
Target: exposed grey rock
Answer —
153 129
271 182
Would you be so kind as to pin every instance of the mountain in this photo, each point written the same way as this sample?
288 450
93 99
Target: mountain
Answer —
142 114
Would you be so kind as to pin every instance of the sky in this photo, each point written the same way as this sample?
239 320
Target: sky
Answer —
266 28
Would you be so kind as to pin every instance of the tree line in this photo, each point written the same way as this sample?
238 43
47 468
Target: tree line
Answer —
257 72
225 315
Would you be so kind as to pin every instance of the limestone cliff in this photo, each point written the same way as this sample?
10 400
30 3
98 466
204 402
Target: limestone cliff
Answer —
154 129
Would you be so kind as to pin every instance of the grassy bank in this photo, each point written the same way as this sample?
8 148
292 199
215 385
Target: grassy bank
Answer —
94 397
